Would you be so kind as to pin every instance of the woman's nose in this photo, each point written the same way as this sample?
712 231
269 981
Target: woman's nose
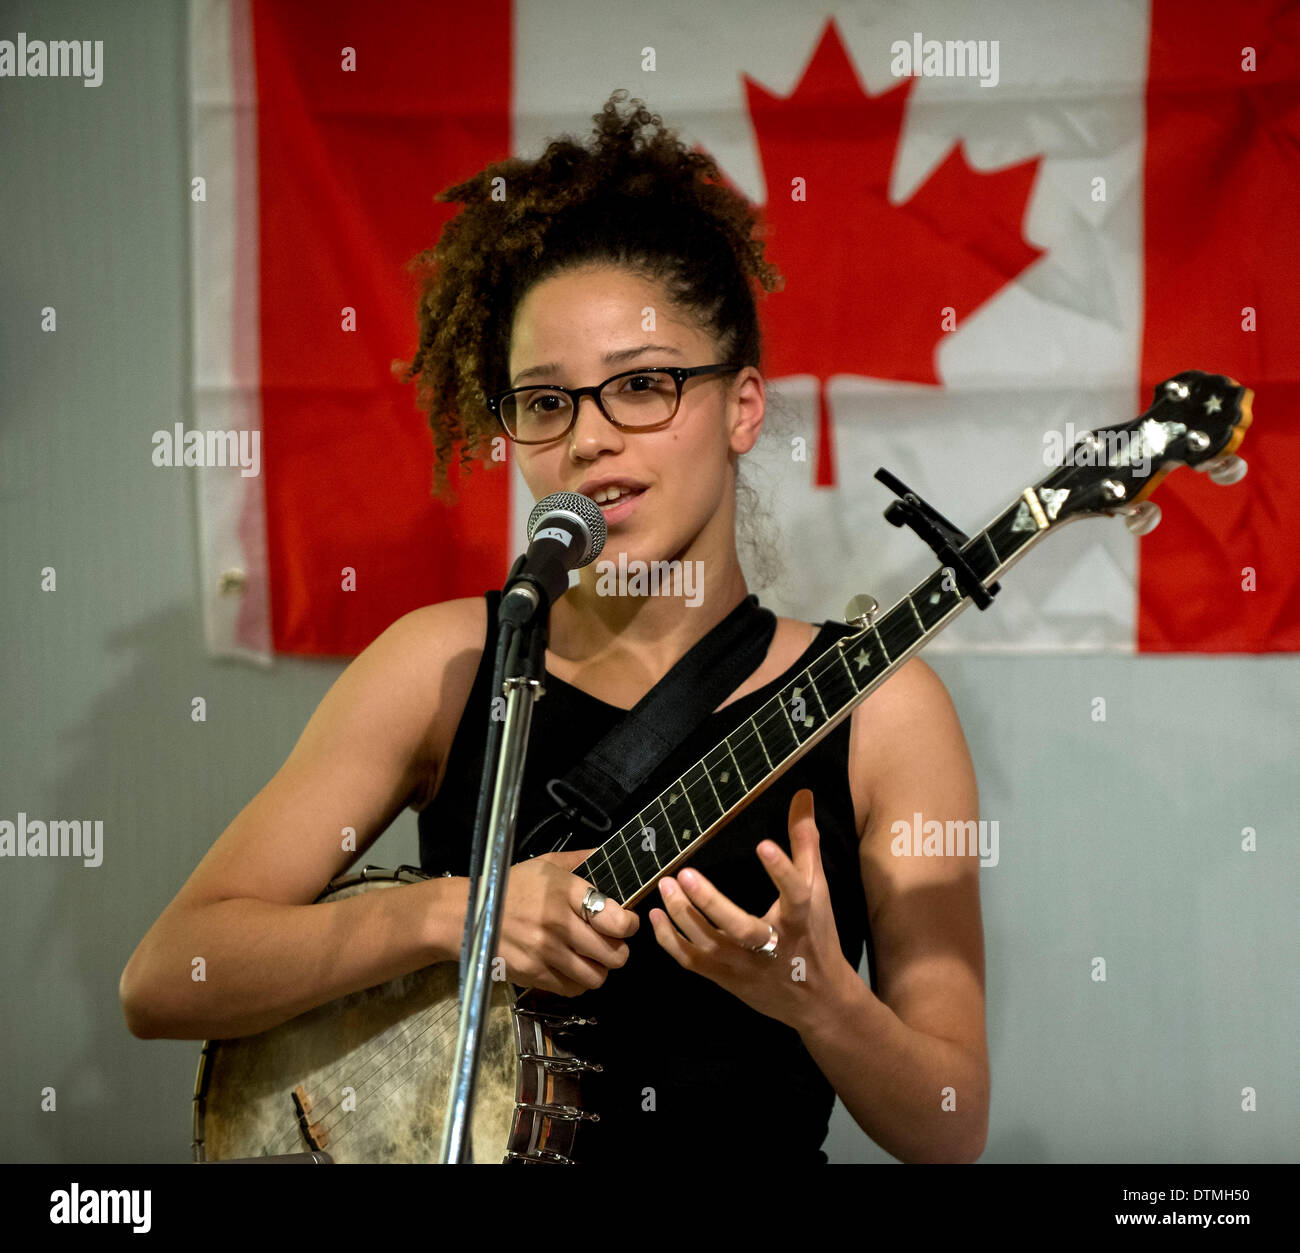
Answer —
592 431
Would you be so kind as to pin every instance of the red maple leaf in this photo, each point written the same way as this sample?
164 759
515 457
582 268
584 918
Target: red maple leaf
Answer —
867 281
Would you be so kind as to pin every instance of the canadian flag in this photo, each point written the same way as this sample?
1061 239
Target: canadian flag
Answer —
1000 226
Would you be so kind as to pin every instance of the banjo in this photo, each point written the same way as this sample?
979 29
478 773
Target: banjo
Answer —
366 1077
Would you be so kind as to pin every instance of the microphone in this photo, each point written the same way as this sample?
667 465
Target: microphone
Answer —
566 531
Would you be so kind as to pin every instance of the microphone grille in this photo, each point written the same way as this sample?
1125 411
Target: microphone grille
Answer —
585 511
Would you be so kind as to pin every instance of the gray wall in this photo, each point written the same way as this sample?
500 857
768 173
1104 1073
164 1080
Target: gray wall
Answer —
1118 839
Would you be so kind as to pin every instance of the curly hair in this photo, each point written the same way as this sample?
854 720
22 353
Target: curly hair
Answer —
635 197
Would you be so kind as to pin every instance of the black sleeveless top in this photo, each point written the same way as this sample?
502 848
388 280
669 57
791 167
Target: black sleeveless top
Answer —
690 1070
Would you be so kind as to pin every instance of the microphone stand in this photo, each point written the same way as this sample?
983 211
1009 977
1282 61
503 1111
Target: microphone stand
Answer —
520 665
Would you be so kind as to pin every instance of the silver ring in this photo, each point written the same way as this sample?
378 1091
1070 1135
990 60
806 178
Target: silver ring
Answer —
592 903
770 947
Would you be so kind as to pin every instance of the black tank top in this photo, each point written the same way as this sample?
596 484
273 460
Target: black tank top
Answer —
689 1069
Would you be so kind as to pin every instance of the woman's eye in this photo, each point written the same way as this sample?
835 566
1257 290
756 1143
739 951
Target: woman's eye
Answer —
646 382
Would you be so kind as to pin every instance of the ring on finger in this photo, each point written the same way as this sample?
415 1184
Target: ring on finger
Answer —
592 903
769 946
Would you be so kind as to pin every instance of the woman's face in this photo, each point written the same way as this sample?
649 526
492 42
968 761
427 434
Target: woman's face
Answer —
587 324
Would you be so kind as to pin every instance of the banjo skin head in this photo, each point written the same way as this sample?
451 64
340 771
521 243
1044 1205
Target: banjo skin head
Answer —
367 1077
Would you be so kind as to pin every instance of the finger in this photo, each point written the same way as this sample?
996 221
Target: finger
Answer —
589 944
738 925
804 837
579 969
615 921
785 875
692 924
612 919
555 977
669 939
793 884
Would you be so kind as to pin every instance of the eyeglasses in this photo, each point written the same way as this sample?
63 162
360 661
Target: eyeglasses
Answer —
636 400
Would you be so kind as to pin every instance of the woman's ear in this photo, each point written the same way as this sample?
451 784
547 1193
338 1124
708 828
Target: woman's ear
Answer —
746 406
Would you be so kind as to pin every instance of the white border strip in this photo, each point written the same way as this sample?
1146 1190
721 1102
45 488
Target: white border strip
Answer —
225 312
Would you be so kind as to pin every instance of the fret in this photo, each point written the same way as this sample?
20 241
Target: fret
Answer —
940 594
1000 531
625 854
682 832
761 745
821 704
644 829
912 606
721 807
988 539
617 893
786 701
883 650
777 729
635 862
589 870
847 670
668 822
976 555
1013 530
603 881
834 680
644 861
705 802
804 728
725 774
695 818
903 626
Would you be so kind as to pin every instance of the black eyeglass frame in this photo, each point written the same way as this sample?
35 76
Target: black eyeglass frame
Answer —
575 394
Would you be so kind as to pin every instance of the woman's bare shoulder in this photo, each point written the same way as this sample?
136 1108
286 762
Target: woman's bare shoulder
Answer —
908 724
453 621
432 656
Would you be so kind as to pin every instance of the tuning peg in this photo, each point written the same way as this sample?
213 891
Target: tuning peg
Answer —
1229 469
1142 519
861 611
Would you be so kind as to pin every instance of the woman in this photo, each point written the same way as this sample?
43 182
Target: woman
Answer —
596 261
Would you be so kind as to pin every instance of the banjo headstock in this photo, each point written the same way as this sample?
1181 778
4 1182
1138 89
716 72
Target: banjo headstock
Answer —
1197 420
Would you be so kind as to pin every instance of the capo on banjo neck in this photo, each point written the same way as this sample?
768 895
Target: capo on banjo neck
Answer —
942 536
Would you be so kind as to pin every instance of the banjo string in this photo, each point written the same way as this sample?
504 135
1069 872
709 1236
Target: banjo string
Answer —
390 1079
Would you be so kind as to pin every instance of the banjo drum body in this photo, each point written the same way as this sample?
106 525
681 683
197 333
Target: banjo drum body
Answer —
367 1077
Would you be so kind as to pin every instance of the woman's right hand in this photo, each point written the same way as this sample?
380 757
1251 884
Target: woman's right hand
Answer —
544 939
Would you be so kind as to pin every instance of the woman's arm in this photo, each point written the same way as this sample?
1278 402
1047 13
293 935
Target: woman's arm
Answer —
268 953
912 1065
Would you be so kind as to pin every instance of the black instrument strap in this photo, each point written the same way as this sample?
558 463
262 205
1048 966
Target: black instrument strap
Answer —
637 744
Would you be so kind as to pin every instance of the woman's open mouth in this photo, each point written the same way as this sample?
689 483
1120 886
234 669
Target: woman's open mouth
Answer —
618 502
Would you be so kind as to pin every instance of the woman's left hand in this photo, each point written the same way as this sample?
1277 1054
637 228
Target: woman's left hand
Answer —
714 936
